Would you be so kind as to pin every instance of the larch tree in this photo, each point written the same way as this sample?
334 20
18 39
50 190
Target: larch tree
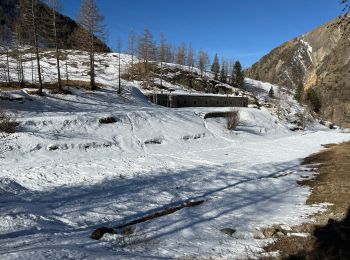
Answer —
131 50
190 57
146 52
181 54
18 52
55 6
162 52
6 43
92 22
28 10
119 50
203 60
215 67
223 72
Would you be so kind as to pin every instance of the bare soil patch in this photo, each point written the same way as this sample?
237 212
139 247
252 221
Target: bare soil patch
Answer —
329 237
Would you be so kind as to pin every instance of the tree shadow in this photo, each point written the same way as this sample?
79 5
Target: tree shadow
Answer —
332 241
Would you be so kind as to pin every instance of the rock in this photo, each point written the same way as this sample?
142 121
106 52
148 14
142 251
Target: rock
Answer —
108 120
98 233
274 231
228 231
53 147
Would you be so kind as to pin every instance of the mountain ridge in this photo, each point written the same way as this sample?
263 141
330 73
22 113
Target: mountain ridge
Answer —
320 60
67 27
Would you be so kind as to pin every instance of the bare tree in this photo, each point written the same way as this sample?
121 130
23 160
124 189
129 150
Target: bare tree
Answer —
181 54
28 12
132 52
162 53
18 53
203 61
6 42
119 49
190 57
92 22
55 6
146 52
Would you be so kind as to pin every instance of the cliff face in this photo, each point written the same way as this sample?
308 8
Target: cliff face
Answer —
66 26
321 60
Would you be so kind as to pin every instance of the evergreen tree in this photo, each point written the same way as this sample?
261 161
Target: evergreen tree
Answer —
215 67
271 93
314 101
299 92
238 75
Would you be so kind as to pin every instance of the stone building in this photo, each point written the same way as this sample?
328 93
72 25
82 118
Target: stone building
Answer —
183 100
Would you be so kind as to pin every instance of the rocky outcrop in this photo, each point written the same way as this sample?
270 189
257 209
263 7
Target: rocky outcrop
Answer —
320 60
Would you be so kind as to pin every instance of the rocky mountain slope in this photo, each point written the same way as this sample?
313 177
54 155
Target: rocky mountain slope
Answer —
66 26
320 60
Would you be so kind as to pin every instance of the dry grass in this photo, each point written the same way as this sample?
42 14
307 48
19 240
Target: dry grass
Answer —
329 238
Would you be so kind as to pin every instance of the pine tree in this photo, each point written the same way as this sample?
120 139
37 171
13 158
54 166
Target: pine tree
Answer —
238 75
92 22
271 92
299 92
314 100
215 67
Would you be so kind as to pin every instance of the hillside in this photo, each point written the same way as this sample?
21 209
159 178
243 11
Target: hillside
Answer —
66 26
319 59
65 172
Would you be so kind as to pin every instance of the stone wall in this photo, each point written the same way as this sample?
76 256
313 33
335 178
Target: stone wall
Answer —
173 100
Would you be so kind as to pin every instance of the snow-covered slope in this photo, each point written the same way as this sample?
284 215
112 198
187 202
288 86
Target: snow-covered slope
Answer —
64 173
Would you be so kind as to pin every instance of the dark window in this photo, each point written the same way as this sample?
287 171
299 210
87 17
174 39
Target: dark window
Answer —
185 102
217 102
195 102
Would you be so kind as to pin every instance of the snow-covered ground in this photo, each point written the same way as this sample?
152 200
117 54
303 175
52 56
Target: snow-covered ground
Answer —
63 174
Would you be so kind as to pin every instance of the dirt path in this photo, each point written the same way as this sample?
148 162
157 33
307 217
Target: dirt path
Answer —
329 236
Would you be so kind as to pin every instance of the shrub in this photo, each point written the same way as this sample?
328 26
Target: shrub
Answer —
7 123
232 119
107 120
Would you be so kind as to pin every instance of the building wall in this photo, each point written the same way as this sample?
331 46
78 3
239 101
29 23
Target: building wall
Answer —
197 101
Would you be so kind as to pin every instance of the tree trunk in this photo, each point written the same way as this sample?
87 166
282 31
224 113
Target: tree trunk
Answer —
92 62
57 50
8 66
119 89
161 74
37 50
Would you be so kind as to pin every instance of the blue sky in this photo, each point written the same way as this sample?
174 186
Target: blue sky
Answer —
235 29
